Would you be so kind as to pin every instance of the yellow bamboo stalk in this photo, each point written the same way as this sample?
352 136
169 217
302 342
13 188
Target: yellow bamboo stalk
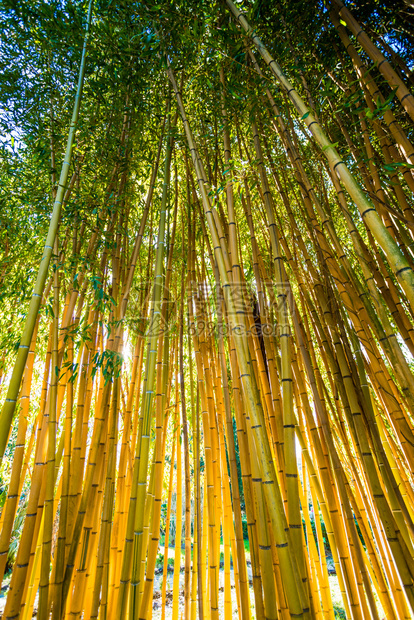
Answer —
403 94
178 504
395 257
295 589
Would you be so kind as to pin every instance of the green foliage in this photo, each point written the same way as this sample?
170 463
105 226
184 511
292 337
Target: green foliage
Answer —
16 532
339 612
109 363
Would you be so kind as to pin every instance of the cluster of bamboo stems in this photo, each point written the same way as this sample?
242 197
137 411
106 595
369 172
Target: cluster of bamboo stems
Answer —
298 374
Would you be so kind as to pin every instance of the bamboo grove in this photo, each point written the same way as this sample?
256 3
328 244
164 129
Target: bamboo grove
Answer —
207 310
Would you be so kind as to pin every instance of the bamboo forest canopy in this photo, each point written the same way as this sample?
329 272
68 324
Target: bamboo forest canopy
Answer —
207 309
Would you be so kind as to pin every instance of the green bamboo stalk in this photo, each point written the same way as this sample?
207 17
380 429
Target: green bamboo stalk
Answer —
9 406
